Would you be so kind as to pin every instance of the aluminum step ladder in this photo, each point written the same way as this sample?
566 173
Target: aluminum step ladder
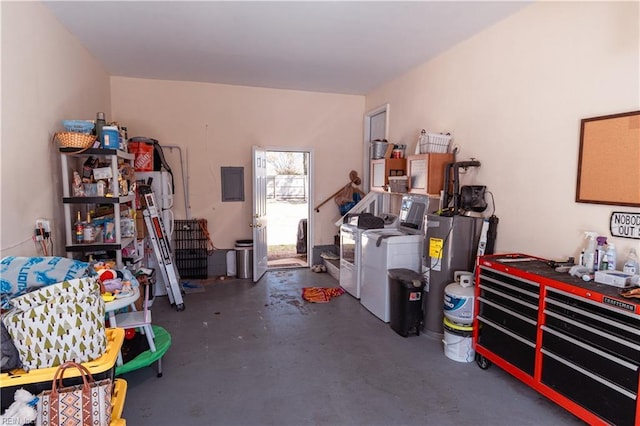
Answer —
162 248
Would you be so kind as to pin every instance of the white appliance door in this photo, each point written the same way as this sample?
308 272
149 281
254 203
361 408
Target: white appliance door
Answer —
166 185
348 245
374 275
166 201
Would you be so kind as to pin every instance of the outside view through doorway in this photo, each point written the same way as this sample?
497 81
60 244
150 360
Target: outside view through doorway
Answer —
287 208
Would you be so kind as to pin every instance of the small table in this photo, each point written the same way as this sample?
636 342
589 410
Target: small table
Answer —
119 303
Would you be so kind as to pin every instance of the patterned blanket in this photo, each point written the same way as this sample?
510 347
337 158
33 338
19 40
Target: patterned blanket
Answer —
320 294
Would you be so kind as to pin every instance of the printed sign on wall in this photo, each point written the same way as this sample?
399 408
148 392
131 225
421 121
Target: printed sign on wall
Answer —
626 225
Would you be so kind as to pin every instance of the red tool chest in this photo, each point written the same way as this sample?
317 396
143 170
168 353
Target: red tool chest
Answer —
576 342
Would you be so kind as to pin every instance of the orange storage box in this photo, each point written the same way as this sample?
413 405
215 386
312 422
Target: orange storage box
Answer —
143 151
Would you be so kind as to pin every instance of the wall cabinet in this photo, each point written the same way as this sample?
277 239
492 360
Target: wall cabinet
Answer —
115 202
426 172
575 342
382 168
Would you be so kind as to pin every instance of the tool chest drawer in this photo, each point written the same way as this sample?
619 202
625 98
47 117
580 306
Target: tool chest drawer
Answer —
597 348
508 314
591 359
628 350
513 321
509 346
612 403
609 322
520 292
608 329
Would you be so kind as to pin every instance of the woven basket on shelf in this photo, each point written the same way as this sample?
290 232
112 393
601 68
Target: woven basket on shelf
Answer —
75 140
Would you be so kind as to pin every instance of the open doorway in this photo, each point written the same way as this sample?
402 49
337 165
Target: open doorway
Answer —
287 208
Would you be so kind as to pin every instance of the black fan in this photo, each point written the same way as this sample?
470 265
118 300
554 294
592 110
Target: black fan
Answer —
472 198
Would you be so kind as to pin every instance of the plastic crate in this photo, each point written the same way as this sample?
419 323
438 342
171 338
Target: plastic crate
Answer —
36 381
190 242
190 234
192 263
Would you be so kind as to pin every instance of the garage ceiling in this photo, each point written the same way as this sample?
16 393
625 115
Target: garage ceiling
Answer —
325 46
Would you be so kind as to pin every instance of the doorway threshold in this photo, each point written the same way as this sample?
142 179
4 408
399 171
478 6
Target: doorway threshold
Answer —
287 262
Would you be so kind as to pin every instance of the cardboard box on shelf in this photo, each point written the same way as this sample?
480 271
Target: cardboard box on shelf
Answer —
141 227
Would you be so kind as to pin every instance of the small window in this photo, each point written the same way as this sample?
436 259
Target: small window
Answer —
232 183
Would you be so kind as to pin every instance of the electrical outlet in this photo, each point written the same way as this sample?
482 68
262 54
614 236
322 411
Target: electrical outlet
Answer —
43 224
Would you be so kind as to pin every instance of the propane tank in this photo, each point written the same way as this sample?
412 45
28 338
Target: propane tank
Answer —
458 298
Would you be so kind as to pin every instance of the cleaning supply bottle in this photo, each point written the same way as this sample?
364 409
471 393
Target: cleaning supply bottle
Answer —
79 227
631 264
590 251
600 257
611 257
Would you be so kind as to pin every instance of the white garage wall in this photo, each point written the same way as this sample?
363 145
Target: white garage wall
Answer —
47 76
513 97
218 124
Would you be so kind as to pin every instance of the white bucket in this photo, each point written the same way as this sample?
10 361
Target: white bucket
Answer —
231 263
457 342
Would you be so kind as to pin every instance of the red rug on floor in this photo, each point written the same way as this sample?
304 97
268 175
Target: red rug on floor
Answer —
320 294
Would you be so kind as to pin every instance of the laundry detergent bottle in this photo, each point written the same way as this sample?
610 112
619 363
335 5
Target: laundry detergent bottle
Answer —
600 254
611 257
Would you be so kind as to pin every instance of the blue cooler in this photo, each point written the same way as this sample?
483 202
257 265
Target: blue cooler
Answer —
110 137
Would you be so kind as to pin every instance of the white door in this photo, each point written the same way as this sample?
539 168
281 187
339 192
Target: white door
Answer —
259 217
375 127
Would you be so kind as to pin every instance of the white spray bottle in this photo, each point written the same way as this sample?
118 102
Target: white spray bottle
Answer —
590 251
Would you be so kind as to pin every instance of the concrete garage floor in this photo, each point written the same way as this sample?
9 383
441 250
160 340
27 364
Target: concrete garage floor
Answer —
258 354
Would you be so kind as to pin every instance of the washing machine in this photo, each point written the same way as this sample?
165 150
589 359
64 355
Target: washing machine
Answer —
385 249
351 253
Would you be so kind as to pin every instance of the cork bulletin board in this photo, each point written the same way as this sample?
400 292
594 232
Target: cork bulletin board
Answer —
609 160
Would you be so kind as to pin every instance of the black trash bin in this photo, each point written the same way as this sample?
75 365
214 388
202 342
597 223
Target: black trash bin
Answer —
405 301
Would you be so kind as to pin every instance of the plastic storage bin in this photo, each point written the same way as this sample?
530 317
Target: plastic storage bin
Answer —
190 248
399 184
36 381
110 137
405 300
